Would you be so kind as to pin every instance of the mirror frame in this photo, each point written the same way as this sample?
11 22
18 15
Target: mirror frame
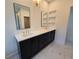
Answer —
15 15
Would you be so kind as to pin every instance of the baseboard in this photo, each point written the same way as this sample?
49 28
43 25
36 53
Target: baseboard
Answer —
12 54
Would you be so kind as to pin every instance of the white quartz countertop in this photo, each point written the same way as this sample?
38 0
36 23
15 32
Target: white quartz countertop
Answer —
23 36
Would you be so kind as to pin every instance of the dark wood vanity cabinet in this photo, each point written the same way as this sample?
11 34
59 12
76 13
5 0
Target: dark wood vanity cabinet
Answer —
25 49
32 46
52 35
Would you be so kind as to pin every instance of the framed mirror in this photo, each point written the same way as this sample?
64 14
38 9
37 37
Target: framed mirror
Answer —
22 16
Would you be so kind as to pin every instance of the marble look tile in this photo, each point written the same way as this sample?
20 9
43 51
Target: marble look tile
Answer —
55 51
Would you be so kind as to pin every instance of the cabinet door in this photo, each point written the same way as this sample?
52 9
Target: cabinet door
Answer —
46 38
52 35
43 40
35 45
25 49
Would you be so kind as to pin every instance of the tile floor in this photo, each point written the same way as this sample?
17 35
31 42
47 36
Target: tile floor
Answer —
55 51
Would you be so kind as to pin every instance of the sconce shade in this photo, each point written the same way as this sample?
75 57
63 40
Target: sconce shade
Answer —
37 2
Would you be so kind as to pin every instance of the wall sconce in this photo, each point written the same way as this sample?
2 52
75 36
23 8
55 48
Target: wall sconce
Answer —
37 2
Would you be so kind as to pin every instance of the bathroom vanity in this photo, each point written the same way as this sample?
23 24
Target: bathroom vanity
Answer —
34 42
30 42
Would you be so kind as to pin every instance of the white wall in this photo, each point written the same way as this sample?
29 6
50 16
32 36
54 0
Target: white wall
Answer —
10 28
63 8
44 6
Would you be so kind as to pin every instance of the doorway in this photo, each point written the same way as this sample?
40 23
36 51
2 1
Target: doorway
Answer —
69 35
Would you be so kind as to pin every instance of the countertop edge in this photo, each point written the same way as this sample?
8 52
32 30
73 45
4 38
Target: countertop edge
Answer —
19 38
